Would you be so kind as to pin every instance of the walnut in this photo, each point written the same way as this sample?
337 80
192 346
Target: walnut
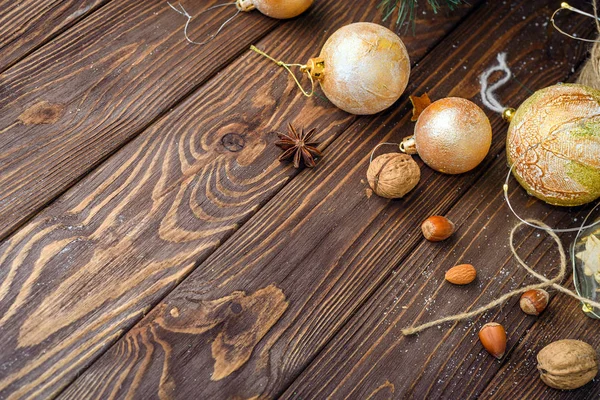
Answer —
567 364
393 175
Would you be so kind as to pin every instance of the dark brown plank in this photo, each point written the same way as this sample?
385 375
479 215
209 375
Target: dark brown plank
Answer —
26 25
448 362
519 376
318 249
78 99
369 357
89 266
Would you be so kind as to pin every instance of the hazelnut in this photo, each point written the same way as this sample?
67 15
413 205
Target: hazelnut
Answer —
493 338
534 301
393 175
437 228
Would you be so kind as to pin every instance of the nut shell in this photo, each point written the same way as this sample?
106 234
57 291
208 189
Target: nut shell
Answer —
462 274
393 175
437 228
567 364
493 338
533 302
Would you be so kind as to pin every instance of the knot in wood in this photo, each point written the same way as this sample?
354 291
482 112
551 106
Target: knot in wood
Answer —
233 142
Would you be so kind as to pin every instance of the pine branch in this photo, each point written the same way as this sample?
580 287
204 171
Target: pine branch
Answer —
406 9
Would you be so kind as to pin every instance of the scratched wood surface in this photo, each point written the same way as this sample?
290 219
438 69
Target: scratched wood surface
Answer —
258 280
27 25
86 268
95 87
256 313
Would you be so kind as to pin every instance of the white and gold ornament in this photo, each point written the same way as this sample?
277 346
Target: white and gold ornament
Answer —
363 68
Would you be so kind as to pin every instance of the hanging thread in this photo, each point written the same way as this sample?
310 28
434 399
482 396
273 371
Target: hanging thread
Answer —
378 146
545 283
487 91
567 6
183 12
303 69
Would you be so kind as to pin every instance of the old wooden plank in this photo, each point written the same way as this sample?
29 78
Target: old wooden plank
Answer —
448 362
518 376
78 99
26 25
115 244
320 248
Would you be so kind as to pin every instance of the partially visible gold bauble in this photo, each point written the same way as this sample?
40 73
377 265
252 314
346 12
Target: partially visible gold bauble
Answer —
553 144
365 68
393 175
280 9
452 135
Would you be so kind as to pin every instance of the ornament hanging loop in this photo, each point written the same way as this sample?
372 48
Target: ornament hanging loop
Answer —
566 6
307 69
182 11
378 146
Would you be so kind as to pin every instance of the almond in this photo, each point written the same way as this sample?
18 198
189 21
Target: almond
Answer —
462 274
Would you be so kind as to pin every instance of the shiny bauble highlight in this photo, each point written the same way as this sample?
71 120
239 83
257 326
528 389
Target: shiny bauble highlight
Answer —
452 135
553 144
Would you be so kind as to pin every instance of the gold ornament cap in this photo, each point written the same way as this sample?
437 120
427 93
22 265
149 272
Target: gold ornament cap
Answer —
315 67
508 114
409 145
245 5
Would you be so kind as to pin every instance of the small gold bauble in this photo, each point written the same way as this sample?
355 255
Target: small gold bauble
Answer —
393 175
452 135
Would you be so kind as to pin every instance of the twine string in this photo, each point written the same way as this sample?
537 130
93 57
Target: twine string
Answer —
289 70
183 12
545 283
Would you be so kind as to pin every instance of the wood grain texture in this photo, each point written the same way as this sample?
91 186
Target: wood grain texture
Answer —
519 376
110 76
322 241
90 265
449 362
27 25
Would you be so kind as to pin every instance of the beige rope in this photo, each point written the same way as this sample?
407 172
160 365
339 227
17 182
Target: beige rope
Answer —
545 283
590 73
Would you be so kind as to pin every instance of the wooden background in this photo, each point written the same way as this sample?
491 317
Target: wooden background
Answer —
152 246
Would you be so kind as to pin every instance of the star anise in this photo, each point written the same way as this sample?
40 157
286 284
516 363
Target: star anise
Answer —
299 146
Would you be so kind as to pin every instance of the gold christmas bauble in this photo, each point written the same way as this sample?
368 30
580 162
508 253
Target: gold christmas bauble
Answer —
363 68
393 175
280 9
553 144
452 135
